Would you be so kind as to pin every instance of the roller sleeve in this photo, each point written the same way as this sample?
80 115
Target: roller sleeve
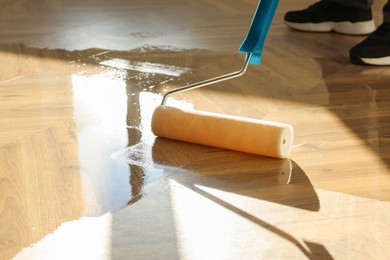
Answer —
224 131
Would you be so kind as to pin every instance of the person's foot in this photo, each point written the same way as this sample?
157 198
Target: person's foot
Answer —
326 16
375 49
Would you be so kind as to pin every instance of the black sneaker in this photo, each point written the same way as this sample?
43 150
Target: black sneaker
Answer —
375 49
326 16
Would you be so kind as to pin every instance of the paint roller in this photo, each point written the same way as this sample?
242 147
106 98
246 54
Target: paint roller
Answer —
243 134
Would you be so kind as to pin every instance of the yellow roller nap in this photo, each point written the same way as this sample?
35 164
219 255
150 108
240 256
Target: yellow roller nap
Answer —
230 132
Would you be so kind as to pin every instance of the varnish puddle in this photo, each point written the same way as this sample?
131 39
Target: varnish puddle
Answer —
145 67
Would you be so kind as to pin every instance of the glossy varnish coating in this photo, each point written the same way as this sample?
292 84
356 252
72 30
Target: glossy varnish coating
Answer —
83 177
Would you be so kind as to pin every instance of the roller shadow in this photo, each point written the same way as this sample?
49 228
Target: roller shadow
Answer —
314 250
280 181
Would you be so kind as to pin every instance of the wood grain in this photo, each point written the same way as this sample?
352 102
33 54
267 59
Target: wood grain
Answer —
77 153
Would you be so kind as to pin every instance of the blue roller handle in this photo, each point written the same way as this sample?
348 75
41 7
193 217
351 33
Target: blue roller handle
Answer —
254 41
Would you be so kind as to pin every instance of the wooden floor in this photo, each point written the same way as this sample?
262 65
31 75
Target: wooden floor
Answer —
83 177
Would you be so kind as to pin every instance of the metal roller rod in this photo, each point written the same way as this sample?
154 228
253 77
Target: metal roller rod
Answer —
209 81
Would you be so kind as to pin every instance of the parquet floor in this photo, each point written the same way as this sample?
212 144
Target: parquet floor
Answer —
83 177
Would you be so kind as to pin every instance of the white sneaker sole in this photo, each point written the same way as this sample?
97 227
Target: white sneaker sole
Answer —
358 28
377 61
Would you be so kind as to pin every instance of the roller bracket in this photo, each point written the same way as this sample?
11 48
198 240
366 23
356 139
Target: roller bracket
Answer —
209 81
252 46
